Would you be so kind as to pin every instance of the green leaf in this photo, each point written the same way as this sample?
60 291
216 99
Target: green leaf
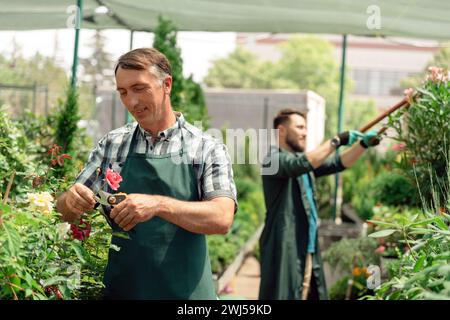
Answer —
28 292
441 224
13 239
382 233
80 251
422 222
382 223
419 263
54 280
123 235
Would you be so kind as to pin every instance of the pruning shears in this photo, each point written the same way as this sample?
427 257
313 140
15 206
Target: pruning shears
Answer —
108 201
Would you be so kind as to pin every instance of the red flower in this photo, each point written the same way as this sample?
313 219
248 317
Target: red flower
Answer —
53 290
60 159
113 179
82 231
54 150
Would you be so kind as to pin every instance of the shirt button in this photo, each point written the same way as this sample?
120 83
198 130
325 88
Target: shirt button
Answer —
151 148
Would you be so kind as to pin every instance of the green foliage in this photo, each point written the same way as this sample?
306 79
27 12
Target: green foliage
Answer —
358 180
309 63
38 255
100 63
358 288
13 155
348 253
166 42
187 95
195 103
423 271
242 69
391 188
418 127
68 118
67 127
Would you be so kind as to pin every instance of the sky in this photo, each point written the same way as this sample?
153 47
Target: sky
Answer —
198 49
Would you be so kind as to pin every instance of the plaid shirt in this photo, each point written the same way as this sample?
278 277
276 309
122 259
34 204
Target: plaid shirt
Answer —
210 158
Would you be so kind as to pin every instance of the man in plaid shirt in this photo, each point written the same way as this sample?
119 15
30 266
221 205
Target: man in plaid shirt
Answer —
179 186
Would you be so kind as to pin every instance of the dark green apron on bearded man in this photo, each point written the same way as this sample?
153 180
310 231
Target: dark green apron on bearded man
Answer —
284 240
161 260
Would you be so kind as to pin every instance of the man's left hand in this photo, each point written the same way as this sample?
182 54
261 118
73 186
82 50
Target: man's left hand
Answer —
370 139
134 209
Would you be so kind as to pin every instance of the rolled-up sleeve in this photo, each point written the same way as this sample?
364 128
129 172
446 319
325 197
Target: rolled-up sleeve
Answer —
217 177
89 176
331 165
287 164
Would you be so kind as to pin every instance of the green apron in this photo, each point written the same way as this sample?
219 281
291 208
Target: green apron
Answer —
284 240
161 260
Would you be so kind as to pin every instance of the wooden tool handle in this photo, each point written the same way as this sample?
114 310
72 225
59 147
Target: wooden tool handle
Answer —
380 117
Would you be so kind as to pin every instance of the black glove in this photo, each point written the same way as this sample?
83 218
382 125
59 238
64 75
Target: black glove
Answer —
346 138
370 139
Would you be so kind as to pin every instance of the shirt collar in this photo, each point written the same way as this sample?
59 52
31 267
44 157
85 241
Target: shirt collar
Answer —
169 132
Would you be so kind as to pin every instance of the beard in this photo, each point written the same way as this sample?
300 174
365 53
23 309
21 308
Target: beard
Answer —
294 144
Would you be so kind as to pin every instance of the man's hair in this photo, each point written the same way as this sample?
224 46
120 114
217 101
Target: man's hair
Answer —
145 59
283 116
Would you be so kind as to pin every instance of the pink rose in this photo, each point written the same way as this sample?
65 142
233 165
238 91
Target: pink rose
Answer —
113 179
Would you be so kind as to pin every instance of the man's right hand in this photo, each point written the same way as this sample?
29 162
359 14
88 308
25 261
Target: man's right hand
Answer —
347 138
77 200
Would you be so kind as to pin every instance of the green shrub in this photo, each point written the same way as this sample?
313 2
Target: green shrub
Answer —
348 253
423 272
423 130
393 189
13 155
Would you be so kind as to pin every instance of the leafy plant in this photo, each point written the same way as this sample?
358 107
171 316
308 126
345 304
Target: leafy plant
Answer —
187 95
391 188
418 128
348 253
424 271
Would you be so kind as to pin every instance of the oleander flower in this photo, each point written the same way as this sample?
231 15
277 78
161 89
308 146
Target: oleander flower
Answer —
436 74
42 202
399 147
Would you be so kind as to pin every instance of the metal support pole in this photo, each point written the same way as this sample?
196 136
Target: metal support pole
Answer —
77 37
338 178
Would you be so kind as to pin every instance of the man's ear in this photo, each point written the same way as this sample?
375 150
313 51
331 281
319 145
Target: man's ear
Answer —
282 130
167 85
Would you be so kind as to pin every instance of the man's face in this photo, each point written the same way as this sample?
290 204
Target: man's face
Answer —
296 133
142 94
